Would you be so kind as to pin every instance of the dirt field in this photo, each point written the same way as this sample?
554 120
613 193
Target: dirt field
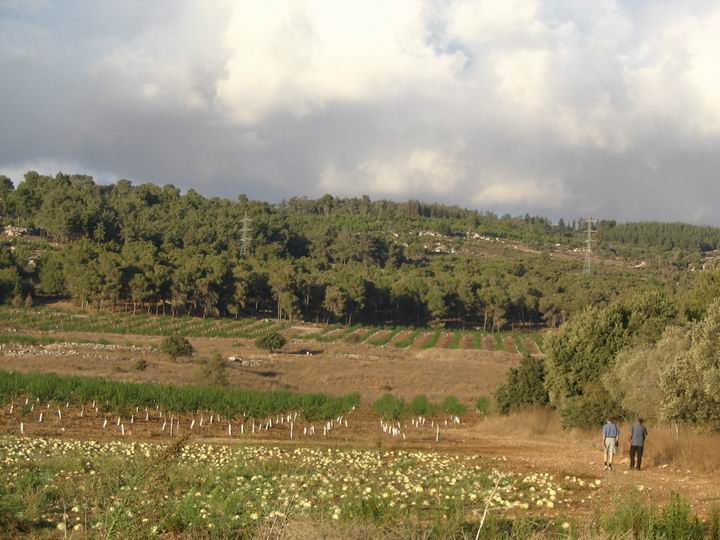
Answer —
335 368
529 443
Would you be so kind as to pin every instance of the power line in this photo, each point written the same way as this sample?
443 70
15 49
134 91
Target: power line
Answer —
245 235
587 267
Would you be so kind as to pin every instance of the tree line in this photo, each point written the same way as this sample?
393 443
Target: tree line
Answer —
149 247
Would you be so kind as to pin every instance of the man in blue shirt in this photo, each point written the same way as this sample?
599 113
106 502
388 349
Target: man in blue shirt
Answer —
638 432
610 438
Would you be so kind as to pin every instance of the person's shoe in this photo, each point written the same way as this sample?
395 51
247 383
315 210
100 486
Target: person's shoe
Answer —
610 467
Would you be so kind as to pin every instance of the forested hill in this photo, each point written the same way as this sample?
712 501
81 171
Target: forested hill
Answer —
151 247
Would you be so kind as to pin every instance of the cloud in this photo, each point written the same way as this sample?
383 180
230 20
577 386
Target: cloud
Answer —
610 108
298 57
422 170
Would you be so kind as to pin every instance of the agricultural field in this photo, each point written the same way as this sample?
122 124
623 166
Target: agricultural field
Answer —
56 320
120 488
387 435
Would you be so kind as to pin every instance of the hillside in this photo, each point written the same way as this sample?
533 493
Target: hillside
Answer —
151 248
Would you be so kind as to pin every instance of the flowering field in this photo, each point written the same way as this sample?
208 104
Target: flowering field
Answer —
119 488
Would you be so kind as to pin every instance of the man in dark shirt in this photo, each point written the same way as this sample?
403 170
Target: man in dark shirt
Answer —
638 432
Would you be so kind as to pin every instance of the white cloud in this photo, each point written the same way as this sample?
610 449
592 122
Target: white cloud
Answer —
296 57
423 170
508 191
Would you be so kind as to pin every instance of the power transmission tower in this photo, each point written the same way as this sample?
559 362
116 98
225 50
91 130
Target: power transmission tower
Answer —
245 238
588 244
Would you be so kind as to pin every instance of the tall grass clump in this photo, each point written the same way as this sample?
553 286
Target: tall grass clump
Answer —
389 407
632 517
124 396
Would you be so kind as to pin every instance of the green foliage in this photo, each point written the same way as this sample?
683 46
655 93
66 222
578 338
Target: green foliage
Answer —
452 405
432 340
212 371
272 341
584 350
176 347
421 406
389 407
124 396
455 341
409 339
690 382
635 381
591 409
482 405
524 387
384 338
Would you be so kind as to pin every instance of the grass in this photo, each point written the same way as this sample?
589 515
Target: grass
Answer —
125 396
518 339
432 340
478 339
385 337
408 340
53 320
49 487
390 407
455 341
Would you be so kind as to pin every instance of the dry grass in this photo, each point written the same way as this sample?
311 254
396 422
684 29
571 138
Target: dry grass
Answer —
685 449
530 423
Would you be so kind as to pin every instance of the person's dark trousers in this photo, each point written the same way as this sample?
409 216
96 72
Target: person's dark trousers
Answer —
636 452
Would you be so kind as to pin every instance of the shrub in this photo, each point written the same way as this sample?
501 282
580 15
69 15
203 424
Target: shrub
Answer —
452 405
677 521
212 371
524 387
389 407
176 346
140 364
482 405
590 410
114 395
421 406
271 341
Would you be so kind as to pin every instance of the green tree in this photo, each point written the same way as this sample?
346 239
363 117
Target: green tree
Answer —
272 341
524 387
212 371
691 383
176 347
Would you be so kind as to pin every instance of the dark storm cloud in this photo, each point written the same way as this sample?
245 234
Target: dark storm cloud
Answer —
523 106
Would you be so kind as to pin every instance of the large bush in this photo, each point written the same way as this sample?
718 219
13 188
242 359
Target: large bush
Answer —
176 346
271 341
585 351
635 381
212 371
524 387
691 382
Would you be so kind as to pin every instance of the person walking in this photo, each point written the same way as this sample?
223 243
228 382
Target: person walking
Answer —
610 441
638 433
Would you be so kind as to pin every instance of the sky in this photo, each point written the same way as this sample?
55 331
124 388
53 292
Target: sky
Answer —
561 108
